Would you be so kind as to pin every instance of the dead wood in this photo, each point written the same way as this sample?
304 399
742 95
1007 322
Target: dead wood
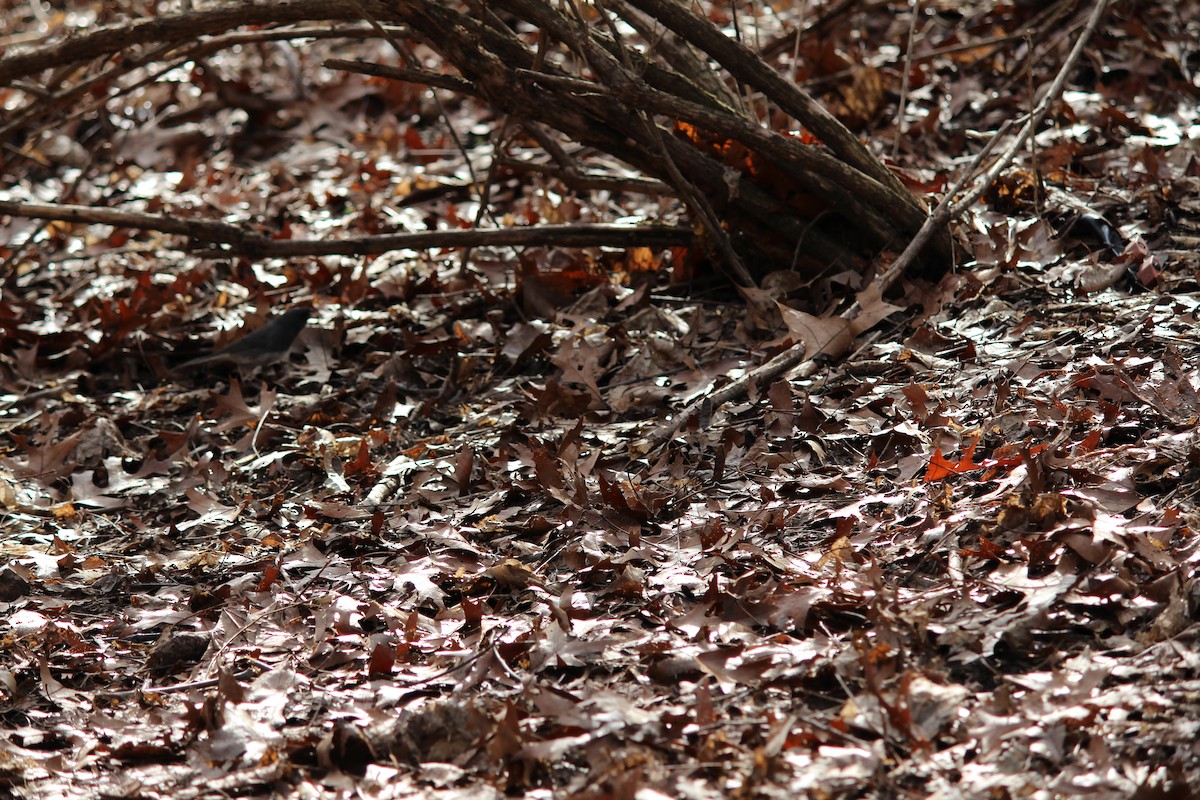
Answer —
677 124
222 239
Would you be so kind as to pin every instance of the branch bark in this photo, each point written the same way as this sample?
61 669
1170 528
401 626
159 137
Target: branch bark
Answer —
237 241
660 116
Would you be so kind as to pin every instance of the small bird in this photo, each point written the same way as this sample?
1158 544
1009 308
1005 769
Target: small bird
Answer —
259 347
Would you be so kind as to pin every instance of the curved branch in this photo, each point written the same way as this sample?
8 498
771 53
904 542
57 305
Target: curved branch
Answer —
168 28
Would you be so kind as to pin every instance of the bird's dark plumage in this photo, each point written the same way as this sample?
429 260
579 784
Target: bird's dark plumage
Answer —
259 347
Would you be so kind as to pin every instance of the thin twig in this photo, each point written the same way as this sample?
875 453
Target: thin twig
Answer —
906 70
805 364
177 56
405 51
950 208
694 198
439 80
164 29
585 180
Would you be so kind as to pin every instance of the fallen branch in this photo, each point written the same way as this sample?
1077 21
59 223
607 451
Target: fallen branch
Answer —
183 27
638 117
173 55
586 180
584 235
200 230
424 77
240 242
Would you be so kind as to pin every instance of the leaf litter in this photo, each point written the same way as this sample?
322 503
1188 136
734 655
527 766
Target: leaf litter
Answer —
960 562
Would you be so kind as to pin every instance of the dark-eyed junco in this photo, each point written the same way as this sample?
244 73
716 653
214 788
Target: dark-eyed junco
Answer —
260 347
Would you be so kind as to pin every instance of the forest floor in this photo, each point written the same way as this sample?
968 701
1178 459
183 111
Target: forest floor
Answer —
431 553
